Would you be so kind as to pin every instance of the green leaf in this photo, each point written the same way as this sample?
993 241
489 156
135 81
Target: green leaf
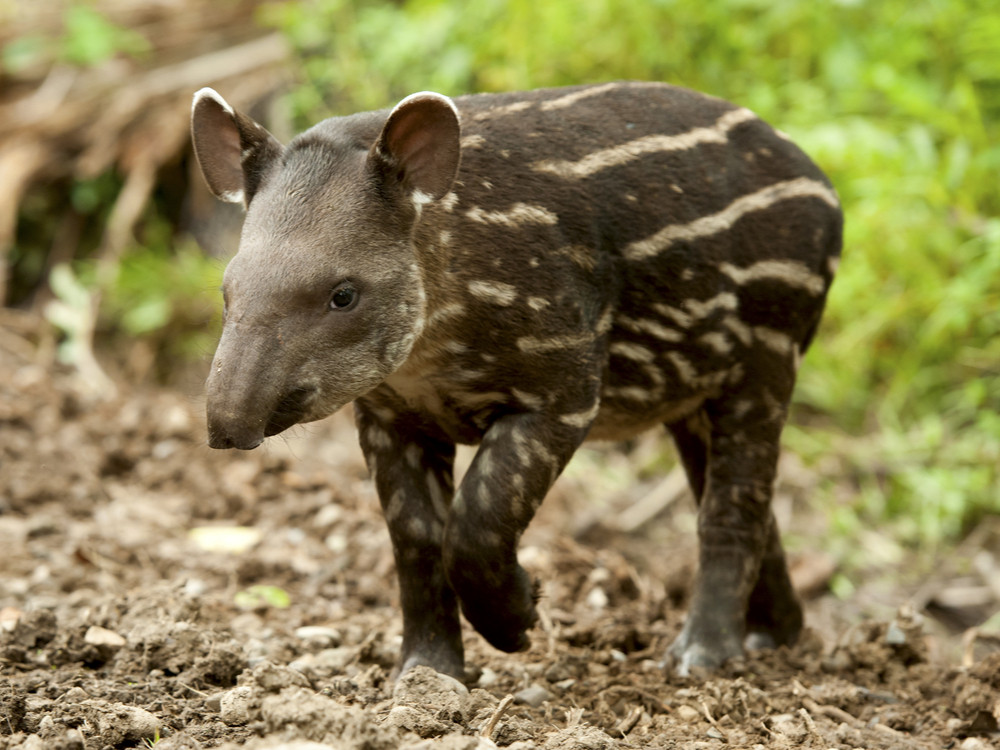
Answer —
262 595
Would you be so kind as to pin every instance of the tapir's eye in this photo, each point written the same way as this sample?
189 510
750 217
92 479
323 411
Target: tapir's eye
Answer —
344 297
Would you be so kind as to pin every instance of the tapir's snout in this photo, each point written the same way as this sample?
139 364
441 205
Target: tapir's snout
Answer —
249 396
246 428
228 434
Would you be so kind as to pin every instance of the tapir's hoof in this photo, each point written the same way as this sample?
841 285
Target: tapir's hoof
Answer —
507 631
693 653
505 621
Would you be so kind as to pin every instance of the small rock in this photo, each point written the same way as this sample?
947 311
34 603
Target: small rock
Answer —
234 706
421 722
421 685
9 617
117 722
973 743
33 742
687 714
488 678
533 695
97 636
597 599
579 738
331 661
75 695
274 678
317 634
894 635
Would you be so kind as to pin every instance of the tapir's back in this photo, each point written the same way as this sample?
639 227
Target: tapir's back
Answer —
682 226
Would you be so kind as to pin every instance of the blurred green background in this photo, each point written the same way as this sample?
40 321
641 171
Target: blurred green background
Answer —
898 406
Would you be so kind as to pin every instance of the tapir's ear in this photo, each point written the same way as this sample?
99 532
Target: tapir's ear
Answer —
419 145
234 151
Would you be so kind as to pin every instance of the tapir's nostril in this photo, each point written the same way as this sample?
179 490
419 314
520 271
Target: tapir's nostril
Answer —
232 436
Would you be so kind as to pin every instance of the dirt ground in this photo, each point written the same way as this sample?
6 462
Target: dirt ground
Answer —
156 592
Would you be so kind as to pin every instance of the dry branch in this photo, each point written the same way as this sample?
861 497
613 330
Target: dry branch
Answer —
60 123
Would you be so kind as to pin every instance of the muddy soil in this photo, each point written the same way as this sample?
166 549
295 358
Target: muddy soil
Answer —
154 592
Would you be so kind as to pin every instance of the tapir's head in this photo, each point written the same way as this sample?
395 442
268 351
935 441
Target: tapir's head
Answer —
325 297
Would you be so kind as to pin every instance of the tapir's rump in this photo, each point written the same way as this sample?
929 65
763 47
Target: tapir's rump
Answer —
523 272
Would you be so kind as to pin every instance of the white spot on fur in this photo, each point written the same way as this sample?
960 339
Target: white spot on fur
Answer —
538 303
520 214
739 328
448 201
650 144
717 341
788 272
629 393
528 399
632 351
394 508
697 310
438 500
569 100
684 368
417 527
500 111
378 438
413 454
650 327
706 226
581 419
776 341
536 345
420 198
444 313
496 292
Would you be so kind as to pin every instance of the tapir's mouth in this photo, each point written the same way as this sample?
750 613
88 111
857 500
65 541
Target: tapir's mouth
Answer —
289 410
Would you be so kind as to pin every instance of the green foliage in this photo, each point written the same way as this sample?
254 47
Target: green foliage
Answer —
261 595
899 101
166 297
88 39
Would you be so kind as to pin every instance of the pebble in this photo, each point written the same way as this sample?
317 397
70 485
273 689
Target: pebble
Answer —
687 714
533 695
274 678
234 706
97 636
75 695
488 678
319 634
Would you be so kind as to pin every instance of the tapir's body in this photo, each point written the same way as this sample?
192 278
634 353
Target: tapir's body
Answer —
523 272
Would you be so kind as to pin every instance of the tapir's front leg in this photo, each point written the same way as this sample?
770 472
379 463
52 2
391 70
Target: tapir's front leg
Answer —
413 476
519 458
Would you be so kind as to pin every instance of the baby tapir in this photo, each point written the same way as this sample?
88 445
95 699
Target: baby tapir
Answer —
523 272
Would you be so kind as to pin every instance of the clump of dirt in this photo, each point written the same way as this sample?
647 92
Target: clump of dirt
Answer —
155 592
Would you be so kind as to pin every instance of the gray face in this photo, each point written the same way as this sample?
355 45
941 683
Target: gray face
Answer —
324 298
323 301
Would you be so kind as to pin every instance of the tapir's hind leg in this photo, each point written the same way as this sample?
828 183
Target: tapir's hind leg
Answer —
730 454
